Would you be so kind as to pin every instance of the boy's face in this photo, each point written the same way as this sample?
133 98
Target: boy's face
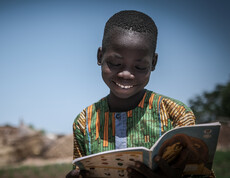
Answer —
127 63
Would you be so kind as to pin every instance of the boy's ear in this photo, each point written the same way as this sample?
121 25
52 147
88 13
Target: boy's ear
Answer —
154 62
99 56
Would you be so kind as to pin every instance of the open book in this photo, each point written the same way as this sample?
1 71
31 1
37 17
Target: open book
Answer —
113 163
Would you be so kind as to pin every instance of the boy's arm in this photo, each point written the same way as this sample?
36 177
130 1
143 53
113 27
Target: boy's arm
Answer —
78 136
178 112
78 144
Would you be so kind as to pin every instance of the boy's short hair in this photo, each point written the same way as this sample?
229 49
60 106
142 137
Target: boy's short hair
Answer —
131 20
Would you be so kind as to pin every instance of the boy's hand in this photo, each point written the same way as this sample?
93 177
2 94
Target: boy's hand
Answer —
140 170
73 174
77 173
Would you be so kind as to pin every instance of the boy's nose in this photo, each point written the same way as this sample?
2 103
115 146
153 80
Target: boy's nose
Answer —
126 75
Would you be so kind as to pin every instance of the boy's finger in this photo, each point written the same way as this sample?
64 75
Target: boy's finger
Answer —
168 170
84 173
73 174
133 173
143 169
164 166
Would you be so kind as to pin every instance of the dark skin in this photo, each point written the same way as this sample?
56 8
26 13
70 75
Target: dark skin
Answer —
77 173
126 65
140 170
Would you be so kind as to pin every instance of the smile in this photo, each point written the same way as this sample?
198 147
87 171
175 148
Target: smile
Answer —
123 86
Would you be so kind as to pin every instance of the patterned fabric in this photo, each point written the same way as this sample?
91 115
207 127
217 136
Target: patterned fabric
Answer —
95 127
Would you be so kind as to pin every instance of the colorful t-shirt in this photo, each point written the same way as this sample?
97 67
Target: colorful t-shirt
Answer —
96 129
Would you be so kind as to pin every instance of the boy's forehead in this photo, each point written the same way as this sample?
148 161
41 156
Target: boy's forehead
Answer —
128 37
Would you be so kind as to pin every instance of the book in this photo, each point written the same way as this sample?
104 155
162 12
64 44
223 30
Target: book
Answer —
204 138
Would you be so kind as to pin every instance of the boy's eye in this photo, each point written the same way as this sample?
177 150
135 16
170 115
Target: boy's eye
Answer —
112 64
140 68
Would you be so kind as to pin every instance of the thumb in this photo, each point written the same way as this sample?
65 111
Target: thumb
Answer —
167 169
73 174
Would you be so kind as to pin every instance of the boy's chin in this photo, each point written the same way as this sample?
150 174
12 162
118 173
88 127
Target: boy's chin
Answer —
124 94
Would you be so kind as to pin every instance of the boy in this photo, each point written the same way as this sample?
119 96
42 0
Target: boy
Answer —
130 115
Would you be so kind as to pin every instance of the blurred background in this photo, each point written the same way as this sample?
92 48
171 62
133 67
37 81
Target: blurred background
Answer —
49 72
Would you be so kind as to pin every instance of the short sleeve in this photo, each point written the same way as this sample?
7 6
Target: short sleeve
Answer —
177 112
78 135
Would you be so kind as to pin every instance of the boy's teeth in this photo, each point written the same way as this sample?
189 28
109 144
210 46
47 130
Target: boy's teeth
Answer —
123 86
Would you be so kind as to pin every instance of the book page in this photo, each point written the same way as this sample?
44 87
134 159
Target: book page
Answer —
112 164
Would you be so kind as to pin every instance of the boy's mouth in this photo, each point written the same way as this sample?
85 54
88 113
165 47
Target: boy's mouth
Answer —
124 86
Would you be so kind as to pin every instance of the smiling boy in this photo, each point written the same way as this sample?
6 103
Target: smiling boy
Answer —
126 65
130 115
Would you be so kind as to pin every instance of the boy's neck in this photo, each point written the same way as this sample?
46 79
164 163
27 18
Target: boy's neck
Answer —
121 105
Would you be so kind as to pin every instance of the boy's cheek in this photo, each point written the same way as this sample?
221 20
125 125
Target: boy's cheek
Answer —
105 69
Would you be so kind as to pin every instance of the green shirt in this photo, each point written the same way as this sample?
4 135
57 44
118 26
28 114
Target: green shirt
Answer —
95 128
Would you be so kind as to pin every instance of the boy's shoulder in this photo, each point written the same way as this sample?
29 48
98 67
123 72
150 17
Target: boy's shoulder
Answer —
164 99
102 103
150 96
151 99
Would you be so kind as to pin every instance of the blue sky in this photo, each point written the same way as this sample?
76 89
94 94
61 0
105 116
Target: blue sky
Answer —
48 69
